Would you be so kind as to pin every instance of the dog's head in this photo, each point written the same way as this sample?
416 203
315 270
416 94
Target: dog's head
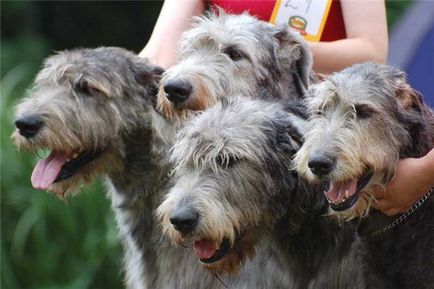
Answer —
363 120
81 102
227 54
232 179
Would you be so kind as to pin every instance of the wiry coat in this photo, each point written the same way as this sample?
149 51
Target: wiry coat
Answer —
233 169
224 54
366 118
98 101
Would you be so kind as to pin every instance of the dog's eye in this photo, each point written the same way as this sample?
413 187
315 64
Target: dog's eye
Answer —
363 111
83 86
225 162
233 53
317 112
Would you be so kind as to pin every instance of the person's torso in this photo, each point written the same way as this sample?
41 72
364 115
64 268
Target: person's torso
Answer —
334 28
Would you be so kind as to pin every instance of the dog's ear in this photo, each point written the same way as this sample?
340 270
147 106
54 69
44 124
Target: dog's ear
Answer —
396 82
89 85
407 97
414 117
149 76
290 127
414 124
301 54
146 73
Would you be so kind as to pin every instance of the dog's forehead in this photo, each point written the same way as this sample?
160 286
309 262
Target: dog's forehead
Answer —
90 59
367 82
241 23
228 29
237 124
238 114
346 91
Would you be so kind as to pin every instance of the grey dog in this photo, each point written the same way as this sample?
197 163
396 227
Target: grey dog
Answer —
234 190
225 54
122 144
363 120
92 109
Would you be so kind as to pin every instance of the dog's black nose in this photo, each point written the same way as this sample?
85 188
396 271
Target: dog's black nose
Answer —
177 90
28 126
184 219
321 165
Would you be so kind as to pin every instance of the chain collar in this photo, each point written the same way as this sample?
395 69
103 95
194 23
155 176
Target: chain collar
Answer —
404 215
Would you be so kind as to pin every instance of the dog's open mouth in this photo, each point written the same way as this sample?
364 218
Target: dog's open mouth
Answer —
209 251
343 195
59 166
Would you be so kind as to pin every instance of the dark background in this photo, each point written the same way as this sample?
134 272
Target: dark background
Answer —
46 243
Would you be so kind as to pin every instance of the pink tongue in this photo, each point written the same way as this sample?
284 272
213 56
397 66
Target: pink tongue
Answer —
204 249
338 192
47 170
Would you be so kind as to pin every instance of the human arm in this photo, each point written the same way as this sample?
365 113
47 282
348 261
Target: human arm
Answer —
175 17
414 178
367 39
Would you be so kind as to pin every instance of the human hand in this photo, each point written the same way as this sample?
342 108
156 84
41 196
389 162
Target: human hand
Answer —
411 182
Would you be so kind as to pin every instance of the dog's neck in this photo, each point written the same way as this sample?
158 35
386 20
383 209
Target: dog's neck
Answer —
309 236
135 190
136 163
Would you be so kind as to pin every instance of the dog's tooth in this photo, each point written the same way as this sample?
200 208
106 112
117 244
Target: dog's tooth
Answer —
347 194
75 155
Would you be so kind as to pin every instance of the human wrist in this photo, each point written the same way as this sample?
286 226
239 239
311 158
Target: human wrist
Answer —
427 169
161 57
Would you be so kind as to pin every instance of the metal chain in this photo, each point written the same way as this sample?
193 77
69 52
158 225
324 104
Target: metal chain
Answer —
404 215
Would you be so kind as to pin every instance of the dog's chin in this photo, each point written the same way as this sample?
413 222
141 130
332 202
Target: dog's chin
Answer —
208 251
175 113
223 256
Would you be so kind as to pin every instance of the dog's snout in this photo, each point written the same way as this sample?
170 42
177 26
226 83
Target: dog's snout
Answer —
177 90
321 165
28 126
184 219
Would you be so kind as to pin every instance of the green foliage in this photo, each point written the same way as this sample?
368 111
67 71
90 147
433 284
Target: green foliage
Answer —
46 243
395 9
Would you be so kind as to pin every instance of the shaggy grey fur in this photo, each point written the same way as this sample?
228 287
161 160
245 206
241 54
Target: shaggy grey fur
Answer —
97 102
225 54
364 119
232 171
